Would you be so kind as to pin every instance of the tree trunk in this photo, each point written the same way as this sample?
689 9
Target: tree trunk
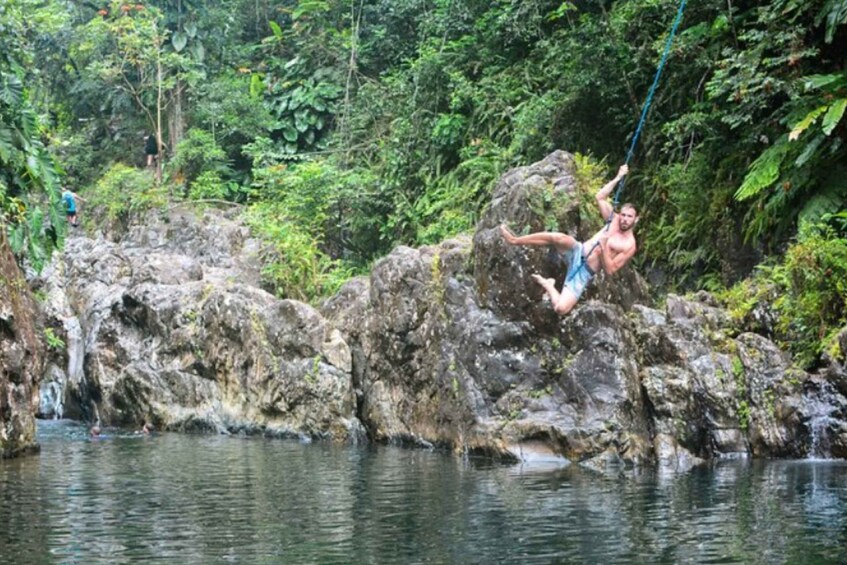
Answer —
176 119
159 103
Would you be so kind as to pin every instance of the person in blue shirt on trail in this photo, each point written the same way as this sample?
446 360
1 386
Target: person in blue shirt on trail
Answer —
609 249
70 200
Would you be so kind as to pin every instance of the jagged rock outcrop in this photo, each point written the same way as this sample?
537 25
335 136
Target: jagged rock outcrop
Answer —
21 359
175 334
453 344
449 345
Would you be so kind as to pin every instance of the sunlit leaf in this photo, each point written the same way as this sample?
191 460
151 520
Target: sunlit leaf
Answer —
833 115
804 124
257 85
275 29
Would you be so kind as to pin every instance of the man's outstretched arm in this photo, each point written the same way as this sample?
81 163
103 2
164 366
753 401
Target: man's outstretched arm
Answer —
603 194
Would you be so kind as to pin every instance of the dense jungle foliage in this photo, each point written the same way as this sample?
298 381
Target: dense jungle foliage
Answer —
345 128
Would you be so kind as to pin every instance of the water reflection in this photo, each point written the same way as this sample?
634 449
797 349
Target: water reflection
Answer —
211 499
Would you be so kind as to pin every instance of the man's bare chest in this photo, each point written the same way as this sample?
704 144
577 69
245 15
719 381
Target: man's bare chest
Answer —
619 243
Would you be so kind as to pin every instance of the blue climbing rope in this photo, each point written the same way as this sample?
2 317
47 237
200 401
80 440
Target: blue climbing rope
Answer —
644 110
649 100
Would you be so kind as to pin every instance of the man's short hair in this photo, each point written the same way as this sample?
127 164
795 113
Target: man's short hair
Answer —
630 205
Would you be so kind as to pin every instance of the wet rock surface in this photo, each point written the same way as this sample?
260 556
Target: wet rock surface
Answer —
21 358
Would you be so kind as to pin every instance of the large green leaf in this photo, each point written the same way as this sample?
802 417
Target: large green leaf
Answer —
289 132
28 125
280 106
833 115
179 41
301 120
834 13
11 89
257 85
764 171
818 81
276 29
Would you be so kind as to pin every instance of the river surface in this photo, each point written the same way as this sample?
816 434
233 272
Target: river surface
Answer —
175 498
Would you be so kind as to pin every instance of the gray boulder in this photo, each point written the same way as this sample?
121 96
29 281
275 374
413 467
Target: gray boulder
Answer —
179 340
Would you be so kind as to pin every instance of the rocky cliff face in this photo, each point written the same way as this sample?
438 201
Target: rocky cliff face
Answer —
167 325
21 358
448 345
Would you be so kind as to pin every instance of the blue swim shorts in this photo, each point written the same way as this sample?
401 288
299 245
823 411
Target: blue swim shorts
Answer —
579 273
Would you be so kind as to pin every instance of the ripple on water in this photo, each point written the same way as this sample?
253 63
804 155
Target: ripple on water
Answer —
207 499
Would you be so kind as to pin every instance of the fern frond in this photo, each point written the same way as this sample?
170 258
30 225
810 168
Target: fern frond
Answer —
764 171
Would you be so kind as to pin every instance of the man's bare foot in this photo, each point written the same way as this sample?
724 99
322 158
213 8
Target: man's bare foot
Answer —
546 284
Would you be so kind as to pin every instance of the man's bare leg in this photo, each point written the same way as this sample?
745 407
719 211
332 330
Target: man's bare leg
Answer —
560 240
563 302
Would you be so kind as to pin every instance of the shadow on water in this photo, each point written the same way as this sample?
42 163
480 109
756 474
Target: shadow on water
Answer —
213 499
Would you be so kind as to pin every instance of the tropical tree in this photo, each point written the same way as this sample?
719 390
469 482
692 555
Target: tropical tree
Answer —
124 49
29 183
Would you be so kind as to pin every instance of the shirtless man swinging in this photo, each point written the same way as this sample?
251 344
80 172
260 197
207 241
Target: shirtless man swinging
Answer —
614 247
